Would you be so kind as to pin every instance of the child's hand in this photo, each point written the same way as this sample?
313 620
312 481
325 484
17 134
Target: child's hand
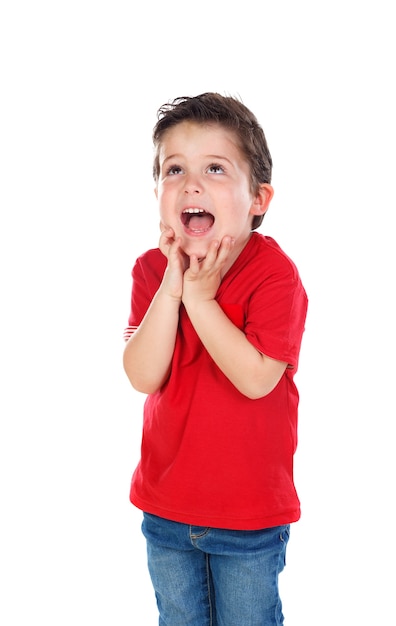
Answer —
172 283
202 278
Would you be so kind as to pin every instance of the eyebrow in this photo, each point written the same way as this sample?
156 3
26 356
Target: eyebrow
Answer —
217 156
207 156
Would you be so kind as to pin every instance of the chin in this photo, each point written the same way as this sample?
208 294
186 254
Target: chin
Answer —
198 249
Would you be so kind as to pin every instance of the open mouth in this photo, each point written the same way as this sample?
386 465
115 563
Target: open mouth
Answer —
197 220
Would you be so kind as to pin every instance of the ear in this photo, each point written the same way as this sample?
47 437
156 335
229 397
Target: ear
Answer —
262 200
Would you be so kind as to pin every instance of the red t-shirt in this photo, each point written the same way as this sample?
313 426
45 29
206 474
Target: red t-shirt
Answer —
210 456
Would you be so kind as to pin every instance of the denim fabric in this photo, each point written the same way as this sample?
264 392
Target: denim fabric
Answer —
215 577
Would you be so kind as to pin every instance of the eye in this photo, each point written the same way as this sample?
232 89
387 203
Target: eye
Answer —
215 168
173 169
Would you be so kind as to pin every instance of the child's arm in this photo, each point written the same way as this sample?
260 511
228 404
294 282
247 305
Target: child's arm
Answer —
253 374
148 352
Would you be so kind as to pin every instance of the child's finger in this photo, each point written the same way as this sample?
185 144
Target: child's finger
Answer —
211 255
227 243
174 246
166 240
218 253
194 265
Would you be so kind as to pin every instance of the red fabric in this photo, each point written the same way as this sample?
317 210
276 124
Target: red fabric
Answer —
211 456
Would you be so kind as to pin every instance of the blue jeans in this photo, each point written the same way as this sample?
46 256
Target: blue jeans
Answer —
214 577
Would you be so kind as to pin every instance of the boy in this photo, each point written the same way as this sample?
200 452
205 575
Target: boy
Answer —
217 317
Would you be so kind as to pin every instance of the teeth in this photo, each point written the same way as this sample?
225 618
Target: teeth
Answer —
193 210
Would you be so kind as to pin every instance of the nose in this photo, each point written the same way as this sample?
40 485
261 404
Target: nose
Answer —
193 184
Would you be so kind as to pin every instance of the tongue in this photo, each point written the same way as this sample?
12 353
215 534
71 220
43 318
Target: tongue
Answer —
200 223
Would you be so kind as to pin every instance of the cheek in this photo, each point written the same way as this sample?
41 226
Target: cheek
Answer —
165 198
163 203
169 218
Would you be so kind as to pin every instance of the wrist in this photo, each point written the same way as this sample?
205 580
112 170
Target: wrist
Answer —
166 295
200 307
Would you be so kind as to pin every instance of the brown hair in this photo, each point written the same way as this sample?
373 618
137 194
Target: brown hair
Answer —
229 112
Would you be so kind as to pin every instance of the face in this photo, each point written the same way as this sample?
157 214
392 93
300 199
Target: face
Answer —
203 189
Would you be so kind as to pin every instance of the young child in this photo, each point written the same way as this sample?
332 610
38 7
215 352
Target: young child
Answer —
217 317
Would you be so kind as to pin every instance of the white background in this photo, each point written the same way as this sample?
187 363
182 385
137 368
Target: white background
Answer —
81 82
